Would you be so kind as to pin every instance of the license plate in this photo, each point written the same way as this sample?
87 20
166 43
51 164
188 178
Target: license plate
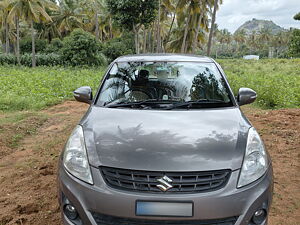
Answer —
168 209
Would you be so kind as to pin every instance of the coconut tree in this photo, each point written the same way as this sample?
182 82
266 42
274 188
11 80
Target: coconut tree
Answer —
33 11
4 12
69 16
188 11
213 20
164 23
94 9
187 18
204 6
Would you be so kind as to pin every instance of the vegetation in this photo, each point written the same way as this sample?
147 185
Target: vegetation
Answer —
276 81
294 45
157 26
44 26
81 48
23 88
264 43
133 14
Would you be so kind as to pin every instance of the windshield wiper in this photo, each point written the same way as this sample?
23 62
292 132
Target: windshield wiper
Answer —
189 104
144 103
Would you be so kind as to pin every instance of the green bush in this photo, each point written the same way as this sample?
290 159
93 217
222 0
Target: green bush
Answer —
7 59
118 47
294 45
41 60
81 48
55 46
26 45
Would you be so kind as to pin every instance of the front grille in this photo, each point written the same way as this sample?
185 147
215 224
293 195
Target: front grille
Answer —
182 182
111 220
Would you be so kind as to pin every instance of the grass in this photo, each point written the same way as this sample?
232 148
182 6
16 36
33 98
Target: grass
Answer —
23 88
14 126
276 81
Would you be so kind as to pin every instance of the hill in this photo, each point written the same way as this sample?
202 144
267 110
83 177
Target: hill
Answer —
256 25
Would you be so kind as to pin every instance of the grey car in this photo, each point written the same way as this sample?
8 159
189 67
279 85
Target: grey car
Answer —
164 142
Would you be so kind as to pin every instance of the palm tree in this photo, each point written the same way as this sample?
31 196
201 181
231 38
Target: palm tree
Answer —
188 17
69 16
201 22
94 8
5 9
164 23
33 11
252 41
170 11
213 20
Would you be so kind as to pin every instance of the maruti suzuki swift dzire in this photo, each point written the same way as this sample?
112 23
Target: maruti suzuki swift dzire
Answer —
164 142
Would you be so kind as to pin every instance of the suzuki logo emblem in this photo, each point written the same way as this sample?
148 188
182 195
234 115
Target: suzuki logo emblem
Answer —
164 183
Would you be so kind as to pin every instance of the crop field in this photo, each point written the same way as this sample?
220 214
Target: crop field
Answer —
37 116
277 83
24 88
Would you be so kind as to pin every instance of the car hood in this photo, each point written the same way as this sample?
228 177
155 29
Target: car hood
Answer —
161 140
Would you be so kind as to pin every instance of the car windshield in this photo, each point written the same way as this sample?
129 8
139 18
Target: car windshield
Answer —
130 83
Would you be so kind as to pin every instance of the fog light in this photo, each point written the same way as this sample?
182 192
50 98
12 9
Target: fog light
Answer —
259 216
70 212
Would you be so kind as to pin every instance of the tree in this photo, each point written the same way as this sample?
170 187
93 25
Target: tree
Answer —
132 14
81 48
33 11
5 9
69 17
297 16
294 45
213 20
93 8
204 4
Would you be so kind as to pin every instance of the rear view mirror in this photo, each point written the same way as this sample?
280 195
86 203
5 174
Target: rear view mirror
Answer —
246 96
83 94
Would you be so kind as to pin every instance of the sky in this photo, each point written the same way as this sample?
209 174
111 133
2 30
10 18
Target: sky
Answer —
233 13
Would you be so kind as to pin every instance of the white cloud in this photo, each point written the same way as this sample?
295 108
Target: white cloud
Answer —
233 13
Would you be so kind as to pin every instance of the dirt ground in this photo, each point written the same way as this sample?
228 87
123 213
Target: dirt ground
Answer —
29 150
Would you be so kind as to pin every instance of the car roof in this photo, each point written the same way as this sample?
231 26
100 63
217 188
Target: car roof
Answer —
164 58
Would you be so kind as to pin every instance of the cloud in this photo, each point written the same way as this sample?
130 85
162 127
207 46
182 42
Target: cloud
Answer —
233 13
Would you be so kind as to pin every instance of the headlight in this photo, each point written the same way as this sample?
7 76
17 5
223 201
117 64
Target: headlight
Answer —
255 161
75 157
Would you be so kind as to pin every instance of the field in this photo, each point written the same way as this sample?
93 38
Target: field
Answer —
37 116
23 88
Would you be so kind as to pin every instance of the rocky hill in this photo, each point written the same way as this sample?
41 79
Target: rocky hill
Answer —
255 25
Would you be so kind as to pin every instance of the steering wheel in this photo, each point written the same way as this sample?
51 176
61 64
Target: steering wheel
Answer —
137 94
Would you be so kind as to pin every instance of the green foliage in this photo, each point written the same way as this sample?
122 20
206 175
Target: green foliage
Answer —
55 46
118 47
127 13
23 88
297 16
294 46
276 81
8 59
41 60
25 45
81 48
26 60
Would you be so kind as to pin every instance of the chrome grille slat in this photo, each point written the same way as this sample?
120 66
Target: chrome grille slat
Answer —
182 182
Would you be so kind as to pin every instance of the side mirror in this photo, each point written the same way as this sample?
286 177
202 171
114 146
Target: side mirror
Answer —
246 96
83 94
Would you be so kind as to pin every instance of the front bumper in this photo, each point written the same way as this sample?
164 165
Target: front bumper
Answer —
224 203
